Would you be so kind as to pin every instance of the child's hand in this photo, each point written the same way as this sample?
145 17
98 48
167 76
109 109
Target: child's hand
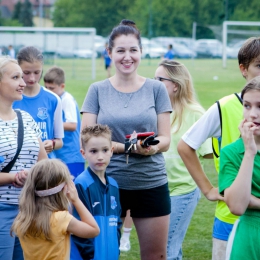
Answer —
71 192
20 178
247 133
48 146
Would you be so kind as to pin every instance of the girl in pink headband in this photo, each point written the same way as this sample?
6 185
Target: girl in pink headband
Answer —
44 223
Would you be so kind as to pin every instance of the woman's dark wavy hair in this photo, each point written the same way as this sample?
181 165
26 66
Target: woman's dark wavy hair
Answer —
124 28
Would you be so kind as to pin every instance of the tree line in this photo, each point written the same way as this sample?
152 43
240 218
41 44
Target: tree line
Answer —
155 17
22 15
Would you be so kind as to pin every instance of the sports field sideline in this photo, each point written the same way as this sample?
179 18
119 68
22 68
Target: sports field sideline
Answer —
211 82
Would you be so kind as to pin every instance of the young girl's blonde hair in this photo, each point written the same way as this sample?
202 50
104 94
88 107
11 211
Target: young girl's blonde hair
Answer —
185 95
35 212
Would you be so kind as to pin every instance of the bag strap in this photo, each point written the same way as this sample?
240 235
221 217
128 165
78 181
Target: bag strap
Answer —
20 135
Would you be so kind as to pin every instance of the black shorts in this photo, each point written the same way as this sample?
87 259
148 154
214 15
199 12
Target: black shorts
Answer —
147 203
107 66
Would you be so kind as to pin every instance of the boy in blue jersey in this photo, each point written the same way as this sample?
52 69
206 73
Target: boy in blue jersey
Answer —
43 105
100 194
54 80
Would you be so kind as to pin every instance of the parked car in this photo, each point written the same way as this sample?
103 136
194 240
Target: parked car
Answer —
64 53
232 50
208 48
70 53
182 47
182 52
152 50
85 53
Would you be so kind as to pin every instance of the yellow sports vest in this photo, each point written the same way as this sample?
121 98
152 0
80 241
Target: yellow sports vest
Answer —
230 114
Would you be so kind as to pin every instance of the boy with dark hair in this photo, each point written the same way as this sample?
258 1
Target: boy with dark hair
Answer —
220 122
54 80
100 194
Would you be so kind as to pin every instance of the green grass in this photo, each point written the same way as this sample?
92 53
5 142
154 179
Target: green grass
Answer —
197 243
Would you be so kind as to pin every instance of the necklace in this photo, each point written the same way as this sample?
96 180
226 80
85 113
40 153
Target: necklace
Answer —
128 98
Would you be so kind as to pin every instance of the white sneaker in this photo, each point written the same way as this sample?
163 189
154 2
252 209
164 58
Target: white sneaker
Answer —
124 245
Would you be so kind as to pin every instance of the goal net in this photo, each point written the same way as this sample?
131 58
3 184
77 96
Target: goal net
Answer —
234 34
73 49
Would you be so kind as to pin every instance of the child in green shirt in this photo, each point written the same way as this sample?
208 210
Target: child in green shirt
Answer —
239 178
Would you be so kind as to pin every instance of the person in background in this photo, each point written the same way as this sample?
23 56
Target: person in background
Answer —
43 105
54 80
99 193
184 192
139 104
11 51
107 61
44 223
239 178
170 53
221 122
20 148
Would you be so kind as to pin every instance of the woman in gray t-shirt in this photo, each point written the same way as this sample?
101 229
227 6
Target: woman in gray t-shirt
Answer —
128 102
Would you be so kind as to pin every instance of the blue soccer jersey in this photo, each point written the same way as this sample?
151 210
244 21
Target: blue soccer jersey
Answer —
46 110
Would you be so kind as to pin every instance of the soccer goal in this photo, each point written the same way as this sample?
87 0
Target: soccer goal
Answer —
73 49
236 31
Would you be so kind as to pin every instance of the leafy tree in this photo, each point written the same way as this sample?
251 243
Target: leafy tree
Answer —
103 15
17 11
155 17
246 11
26 16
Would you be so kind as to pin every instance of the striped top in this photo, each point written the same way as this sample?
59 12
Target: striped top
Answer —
28 155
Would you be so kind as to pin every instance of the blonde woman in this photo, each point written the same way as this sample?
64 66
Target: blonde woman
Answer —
183 191
20 148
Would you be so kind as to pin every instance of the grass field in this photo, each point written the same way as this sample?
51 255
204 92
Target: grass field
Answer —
197 243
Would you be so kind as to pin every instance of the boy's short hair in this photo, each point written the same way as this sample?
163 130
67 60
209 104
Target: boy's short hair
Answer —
249 51
54 75
95 131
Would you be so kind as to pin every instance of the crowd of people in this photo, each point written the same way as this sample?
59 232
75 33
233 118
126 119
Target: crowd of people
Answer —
144 140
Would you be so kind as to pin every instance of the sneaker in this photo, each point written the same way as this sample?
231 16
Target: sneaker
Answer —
124 245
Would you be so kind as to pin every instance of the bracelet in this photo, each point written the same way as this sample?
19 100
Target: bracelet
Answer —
53 144
117 149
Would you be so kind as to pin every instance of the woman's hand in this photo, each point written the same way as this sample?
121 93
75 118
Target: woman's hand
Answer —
150 150
247 133
71 192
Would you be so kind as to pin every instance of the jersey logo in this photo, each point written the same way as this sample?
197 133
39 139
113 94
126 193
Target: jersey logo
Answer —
95 204
42 113
113 202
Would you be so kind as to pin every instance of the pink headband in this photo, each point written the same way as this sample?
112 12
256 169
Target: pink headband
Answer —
44 193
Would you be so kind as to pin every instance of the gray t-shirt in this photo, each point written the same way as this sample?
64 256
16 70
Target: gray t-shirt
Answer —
124 113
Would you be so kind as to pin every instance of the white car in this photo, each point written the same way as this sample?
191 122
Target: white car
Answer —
208 48
232 51
152 50
84 53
